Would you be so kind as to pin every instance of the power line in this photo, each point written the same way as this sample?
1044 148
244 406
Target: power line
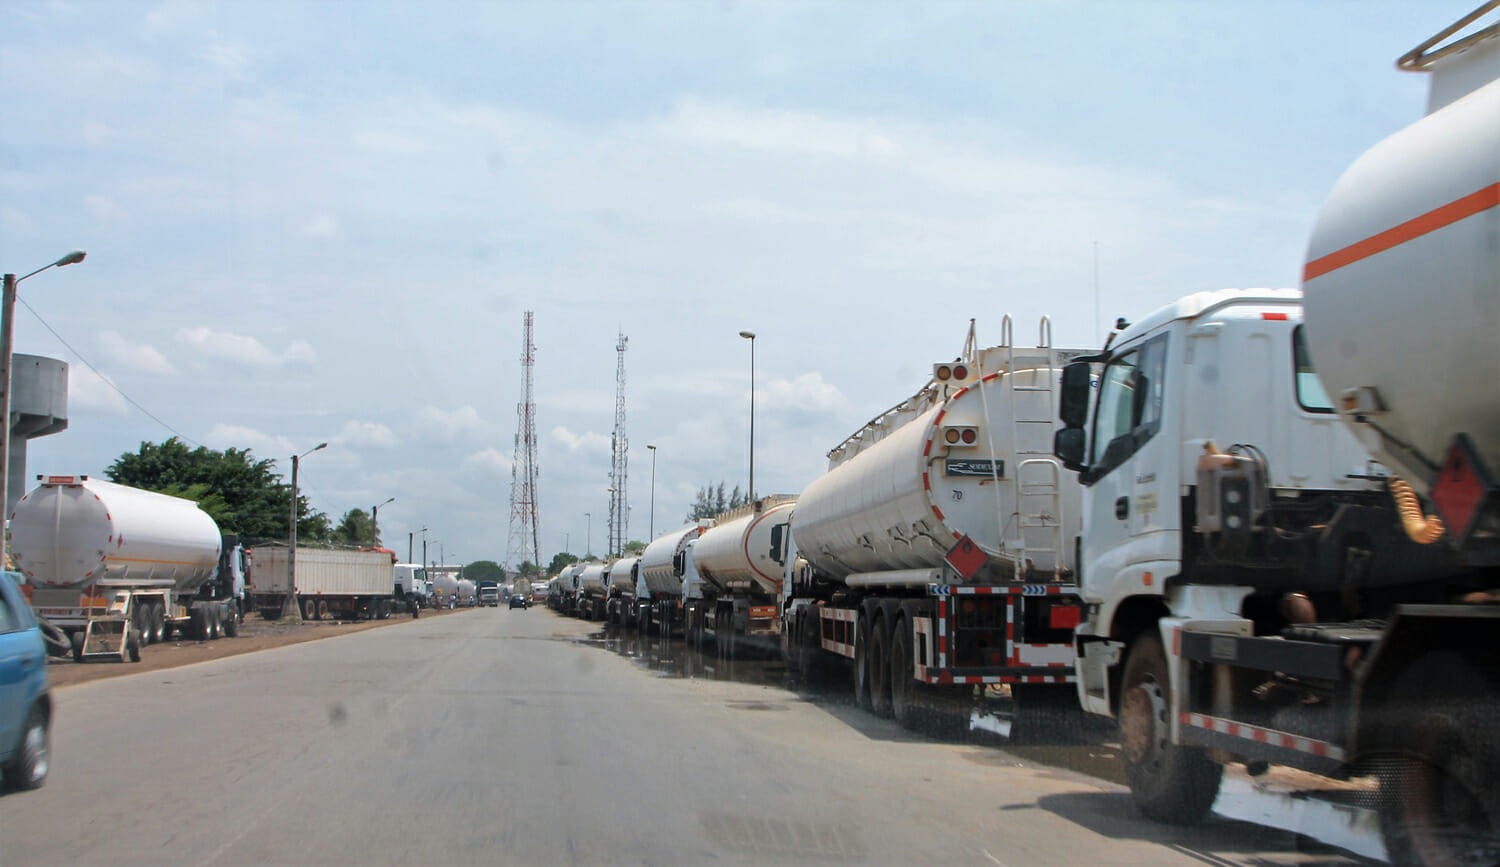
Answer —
103 378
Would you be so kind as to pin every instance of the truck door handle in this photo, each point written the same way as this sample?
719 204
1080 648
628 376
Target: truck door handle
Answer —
1122 508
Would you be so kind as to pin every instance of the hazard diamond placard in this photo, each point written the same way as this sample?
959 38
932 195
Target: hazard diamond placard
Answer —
966 558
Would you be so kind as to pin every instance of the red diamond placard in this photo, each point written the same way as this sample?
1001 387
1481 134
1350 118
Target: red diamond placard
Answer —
966 558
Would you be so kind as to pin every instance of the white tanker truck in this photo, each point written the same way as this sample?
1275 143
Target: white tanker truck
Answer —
937 551
731 583
1255 593
659 594
621 584
117 567
589 601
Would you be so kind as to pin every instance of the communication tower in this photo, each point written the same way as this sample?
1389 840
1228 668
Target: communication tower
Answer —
523 530
619 509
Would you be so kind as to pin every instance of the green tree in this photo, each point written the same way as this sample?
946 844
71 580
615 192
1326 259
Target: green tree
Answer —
634 549
712 502
560 561
242 494
484 570
354 529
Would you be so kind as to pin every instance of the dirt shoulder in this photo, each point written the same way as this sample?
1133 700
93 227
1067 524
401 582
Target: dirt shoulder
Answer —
255 634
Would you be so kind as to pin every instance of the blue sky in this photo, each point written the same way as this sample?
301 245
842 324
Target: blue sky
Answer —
322 221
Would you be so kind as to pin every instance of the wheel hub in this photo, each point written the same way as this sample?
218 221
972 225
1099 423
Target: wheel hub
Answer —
1143 717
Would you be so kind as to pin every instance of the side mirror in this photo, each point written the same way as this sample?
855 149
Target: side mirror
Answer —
1073 402
677 564
1068 444
777 533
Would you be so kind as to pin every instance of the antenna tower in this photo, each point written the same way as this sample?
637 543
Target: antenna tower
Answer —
619 509
523 531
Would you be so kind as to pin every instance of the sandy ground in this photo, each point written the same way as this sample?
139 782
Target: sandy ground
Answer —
255 634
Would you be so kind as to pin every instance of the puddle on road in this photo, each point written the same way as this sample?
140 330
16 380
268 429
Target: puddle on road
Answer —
987 722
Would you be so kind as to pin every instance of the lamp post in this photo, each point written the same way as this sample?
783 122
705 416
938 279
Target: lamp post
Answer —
651 533
291 608
375 524
7 328
750 336
588 538
424 549
609 544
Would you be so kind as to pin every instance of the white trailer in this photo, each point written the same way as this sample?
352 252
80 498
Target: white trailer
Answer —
329 582
589 603
732 584
117 567
658 595
937 552
620 585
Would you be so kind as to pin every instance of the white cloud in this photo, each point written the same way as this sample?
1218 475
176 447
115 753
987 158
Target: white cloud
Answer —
322 226
490 461
137 356
451 423
367 433
807 392
104 209
263 444
386 141
243 348
587 442
88 390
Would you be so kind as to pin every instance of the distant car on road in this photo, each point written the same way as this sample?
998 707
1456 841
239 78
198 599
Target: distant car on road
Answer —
25 700
517 600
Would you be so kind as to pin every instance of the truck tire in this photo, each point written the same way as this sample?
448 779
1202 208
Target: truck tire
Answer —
158 623
232 620
140 618
861 666
1046 713
880 668
76 640
791 643
310 609
322 609
1171 783
197 624
905 699
28 770
214 614
1438 800
133 646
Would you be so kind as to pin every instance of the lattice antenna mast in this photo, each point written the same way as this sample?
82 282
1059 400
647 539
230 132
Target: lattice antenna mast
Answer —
619 509
523 544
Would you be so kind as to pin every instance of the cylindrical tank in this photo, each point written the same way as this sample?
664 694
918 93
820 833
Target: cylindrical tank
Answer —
72 530
622 575
465 591
734 555
591 579
567 579
1402 282
657 559
899 494
444 583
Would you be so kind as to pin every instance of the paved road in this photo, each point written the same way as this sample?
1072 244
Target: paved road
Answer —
498 736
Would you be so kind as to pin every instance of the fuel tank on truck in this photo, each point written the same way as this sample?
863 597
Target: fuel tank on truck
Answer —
591 579
71 531
657 561
622 574
734 555
970 455
1402 282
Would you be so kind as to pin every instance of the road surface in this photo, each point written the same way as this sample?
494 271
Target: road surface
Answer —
496 736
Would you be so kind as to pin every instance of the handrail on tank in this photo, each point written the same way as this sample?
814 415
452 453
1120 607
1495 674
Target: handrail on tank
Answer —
1419 58
1044 336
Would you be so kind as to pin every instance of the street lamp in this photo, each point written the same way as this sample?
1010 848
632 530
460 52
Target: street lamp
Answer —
7 328
375 524
424 549
588 538
750 336
290 608
651 533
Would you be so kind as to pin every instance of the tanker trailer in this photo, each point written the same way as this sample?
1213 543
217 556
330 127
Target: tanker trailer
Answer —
118 567
620 585
731 584
591 592
937 551
444 588
466 593
564 597
330 582
1402 286
659 596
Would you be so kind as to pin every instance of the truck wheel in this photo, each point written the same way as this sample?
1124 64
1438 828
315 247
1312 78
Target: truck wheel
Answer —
791 643
1438 799
907 705
76 640
880 668
140 618
215 614
158 623
861 667
232 621
197 624
1046 713
1171 783
322 609
29 768
133 646
310 609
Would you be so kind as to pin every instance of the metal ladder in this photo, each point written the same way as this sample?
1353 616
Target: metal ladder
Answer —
1040 541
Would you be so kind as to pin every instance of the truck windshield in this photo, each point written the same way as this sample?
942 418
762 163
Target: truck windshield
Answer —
1310 393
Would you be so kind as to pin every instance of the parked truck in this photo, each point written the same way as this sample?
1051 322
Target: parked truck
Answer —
658 596
117 567
731 583
487 593
340 583
411 586
938 551
1263 581
466 593
590 596
621 583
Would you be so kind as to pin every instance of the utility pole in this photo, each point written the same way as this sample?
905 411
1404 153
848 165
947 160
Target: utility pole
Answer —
408 546
524 541
750 336
375 523
652 532
290 608
619 514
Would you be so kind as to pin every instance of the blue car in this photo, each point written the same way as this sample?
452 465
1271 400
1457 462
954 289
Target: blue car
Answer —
25 701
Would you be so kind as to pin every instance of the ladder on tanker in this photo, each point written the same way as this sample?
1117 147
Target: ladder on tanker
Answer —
1039 541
